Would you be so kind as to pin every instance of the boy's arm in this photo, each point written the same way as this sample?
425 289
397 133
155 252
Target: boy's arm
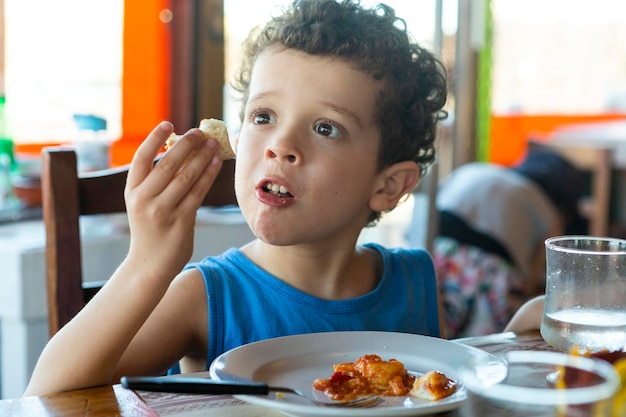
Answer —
161 201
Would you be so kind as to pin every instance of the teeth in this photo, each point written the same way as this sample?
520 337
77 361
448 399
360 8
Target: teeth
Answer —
276 189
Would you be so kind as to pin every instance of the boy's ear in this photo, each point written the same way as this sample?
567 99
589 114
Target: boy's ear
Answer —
393 183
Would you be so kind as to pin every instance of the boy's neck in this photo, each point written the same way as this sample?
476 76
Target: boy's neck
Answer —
320 272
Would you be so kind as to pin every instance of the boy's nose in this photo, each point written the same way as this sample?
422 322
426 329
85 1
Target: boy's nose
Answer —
284 146
275 152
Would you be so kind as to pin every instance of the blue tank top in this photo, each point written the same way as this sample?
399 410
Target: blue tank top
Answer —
247 304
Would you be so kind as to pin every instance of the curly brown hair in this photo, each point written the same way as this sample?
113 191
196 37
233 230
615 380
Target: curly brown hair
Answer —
377 42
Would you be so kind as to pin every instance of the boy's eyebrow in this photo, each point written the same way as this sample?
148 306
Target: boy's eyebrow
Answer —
341 110
259 96
349 114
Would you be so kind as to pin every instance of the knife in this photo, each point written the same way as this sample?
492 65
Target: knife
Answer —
193 385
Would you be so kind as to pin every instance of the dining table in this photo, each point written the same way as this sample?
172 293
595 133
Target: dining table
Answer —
114 400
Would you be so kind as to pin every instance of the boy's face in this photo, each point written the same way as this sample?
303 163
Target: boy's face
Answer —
308 147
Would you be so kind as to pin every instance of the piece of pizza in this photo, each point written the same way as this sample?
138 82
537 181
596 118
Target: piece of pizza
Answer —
387 377
433 386
371 375
368 375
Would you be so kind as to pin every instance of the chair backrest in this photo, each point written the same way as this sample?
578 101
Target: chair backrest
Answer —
597 162
67 196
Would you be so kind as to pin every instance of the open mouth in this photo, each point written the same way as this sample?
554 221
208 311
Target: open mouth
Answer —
277 190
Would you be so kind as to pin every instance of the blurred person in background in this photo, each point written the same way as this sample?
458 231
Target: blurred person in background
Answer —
493 220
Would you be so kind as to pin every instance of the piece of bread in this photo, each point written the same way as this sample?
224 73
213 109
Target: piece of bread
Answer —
212 128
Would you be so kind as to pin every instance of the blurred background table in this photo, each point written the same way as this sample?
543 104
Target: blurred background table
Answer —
611 135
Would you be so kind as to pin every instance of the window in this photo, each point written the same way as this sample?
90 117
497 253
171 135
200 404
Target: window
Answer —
72 62
62 57
559 56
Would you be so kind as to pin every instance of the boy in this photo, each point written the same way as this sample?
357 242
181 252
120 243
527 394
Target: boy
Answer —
338 123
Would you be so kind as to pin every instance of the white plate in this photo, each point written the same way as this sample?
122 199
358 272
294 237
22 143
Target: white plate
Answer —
296 361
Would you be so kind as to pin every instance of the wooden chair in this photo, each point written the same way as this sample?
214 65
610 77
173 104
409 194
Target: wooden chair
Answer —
67 196
597 162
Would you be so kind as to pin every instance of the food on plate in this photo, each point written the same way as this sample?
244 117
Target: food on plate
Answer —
371 375
212 128
368 375
570 377
619 401
433 386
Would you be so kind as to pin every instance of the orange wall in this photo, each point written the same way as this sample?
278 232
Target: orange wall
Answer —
146 74
509 133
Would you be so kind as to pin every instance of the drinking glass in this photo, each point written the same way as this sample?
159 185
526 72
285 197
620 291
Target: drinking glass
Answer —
526 391
585 305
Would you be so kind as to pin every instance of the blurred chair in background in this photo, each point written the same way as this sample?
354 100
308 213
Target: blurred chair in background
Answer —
597 163
67 196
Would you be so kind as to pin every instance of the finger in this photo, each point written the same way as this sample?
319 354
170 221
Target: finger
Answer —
162 174
192 181
193 199
142 161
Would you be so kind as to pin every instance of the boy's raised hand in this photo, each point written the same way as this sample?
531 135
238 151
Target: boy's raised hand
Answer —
162 199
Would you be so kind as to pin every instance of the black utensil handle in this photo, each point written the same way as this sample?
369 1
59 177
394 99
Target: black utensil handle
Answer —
193 385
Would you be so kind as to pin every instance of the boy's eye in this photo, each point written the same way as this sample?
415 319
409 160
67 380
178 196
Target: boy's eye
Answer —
263 118
327 129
